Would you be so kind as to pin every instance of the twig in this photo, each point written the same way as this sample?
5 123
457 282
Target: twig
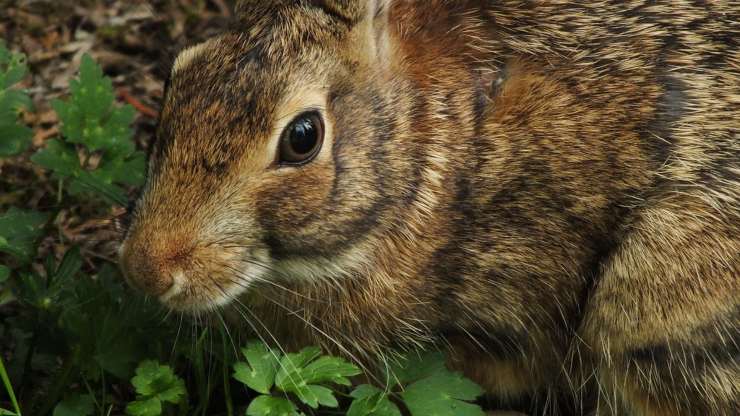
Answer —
138 105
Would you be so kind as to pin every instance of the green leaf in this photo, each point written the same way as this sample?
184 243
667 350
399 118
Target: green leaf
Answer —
259 373
148 407
302 373
116 355
329 369
443 394
12 67
69 266
89 116
77 405
19 231
364 390
416 366
129 170
324 396
371 401
313 395
155 380
14 137
264 405
291 363
5 412
92 122
60 158
11 102
4 273
91 181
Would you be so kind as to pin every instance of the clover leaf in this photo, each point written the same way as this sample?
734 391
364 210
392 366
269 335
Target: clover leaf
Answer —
371 401
435 390
303 373
264 405
443 395
155 384
259 371
148 407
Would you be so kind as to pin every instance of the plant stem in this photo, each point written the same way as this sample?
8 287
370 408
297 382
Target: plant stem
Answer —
9 387
60 186
29 354
61 382
225 373
104 394
91 391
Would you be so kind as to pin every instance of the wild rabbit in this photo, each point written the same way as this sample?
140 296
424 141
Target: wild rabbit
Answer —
550 191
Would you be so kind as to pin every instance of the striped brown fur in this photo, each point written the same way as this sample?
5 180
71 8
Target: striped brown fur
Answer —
550 191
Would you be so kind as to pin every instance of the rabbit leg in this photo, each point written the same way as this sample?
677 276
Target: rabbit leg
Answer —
663 323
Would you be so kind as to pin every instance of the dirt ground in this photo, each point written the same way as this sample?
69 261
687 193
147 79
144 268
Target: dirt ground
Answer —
135 42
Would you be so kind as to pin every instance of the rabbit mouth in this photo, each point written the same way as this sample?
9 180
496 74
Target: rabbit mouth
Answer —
204 292
211 278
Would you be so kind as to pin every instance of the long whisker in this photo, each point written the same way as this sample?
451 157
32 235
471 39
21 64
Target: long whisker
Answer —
246 277
238 306
241 279
177 336
327 336
228 334
242 276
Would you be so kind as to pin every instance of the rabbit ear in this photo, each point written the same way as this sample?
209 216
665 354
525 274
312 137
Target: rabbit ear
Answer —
363 24
369 25
349 11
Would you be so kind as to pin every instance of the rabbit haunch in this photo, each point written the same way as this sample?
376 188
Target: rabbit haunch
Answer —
549 191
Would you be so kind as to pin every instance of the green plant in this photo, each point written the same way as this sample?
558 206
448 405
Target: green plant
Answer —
155 385
49 336
422 384
96 153
75 405
15 137
303 374
9 389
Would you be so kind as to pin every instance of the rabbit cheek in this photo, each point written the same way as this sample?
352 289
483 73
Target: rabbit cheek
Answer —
288 209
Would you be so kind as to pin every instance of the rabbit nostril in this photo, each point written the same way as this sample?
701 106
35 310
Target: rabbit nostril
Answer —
178 282
156 284
148 278
153 274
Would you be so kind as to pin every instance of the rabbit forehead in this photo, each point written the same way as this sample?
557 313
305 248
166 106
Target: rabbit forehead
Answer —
225 96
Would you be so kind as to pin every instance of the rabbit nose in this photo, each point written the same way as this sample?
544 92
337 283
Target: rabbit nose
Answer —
150 270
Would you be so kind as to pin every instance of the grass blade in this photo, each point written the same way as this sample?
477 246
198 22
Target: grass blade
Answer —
9 387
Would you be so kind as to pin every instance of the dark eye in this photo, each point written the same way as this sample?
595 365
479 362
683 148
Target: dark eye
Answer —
301 139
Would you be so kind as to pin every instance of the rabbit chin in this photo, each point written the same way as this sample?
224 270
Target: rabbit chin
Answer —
316 268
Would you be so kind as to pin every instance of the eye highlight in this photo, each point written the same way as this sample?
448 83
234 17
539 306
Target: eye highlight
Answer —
301 140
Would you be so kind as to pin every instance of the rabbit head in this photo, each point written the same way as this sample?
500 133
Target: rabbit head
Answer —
279 154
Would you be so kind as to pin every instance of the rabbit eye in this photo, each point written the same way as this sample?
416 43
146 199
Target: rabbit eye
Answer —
301 139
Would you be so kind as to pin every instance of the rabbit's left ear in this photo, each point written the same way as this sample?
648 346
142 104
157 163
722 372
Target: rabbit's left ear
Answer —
368 22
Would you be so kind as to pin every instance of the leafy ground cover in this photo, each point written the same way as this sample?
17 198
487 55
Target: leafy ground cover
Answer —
79 90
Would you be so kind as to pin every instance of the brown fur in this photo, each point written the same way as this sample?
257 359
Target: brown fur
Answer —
548 190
